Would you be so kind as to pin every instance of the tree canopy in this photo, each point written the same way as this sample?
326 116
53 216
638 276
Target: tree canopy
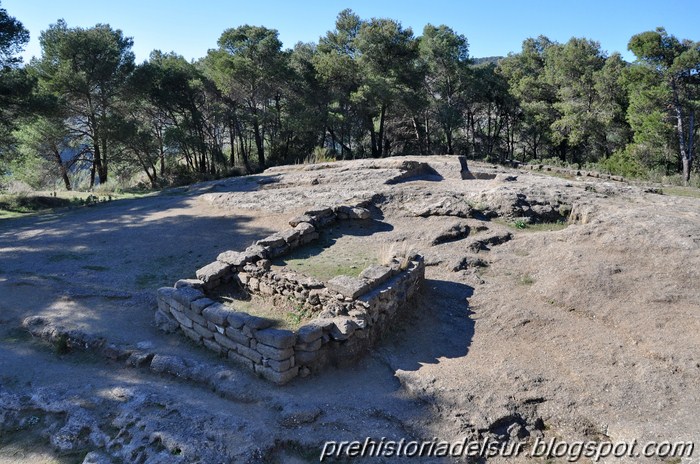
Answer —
367 88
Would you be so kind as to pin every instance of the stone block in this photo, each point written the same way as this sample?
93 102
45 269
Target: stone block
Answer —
375 275
163 306
240 360
360 213
237 336
347 286
290 235
173 365
203 331
234 258
271 352
273 241
308 238
217 313
305 357
236 319
213 271
310 346
117 352
249 353
194 283
266 289
304 228
276 338
212 345
323 221
192 335
198 306
254 284
226 342
165 293
280 366
195 317
279 250
255 252
139 358
319 212
280 378
343 328
166 322
183 320
303 219
177 306
257 323
353 212
309 333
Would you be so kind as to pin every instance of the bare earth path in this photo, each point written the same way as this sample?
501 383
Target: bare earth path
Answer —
589 332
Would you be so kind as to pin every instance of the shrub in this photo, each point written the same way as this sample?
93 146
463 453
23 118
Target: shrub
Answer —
625 163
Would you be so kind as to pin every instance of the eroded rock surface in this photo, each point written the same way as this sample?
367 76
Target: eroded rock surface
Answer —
586 332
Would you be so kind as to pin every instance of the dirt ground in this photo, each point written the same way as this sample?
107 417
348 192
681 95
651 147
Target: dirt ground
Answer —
591 332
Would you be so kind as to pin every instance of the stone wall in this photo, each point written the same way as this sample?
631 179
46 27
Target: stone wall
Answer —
352 312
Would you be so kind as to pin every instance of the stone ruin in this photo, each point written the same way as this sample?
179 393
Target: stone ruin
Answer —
351 312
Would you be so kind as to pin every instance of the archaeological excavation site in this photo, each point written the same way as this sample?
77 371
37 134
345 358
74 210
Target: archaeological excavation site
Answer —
347 314
252 319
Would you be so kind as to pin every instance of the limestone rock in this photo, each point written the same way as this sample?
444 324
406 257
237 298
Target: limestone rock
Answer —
194 283
347 286
273 241
186 295
217 313
233 258
375 275
165 322
277 338
213 271
310 332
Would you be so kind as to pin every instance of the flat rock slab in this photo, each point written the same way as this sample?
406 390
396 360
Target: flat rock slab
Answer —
347 286
233 258
212 271
375 275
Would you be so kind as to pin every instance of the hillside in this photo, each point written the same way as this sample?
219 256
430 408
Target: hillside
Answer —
553 307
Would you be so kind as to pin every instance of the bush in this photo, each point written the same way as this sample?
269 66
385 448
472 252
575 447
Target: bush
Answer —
624 163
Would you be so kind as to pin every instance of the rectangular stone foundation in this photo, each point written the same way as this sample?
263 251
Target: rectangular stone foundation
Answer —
353 312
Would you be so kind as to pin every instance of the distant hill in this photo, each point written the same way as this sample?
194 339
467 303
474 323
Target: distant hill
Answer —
486 60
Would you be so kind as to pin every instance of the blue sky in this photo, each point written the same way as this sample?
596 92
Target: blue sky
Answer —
492 28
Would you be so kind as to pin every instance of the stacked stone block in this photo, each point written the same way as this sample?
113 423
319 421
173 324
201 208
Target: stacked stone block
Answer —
352 312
